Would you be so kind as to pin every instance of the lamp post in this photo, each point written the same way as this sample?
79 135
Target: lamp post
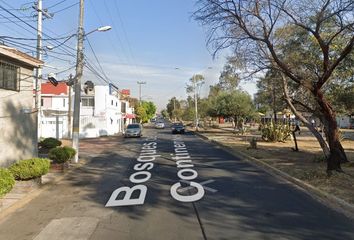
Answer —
77 84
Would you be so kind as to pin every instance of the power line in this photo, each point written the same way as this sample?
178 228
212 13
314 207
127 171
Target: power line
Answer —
61 10
56 4
62 47
98 62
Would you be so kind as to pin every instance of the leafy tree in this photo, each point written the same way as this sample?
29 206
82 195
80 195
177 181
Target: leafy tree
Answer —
229 79
307 48
141 114
164 113
270 94
174 108
195 83
145 111
236 104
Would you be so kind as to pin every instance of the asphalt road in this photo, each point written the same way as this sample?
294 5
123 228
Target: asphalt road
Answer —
240 201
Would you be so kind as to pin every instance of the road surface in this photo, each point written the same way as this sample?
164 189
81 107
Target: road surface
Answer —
189 189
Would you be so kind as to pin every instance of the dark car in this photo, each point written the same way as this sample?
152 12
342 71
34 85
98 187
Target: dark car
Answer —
133 130
178 128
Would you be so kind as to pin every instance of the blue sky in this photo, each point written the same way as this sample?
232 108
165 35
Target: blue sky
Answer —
155 41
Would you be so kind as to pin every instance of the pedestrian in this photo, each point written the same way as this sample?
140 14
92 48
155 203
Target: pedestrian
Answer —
313 122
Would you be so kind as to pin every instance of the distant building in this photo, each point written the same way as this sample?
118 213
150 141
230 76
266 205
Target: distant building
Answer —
18 125
102 111
54 110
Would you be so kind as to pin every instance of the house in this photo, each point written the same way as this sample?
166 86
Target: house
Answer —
55 115
102 111
18 121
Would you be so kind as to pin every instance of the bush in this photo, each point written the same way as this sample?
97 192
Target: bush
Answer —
71 151
7 181
30 168
61 154
275 132
50 143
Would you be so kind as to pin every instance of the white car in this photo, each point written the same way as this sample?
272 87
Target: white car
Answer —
160 125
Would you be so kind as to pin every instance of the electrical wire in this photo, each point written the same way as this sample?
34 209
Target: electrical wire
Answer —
62 47
98 62
56 4
61 10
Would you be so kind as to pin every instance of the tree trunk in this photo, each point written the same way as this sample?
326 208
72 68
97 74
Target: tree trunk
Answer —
337 154
318 136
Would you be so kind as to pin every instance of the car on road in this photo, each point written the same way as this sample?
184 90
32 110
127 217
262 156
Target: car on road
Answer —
133 130
160 125
178 128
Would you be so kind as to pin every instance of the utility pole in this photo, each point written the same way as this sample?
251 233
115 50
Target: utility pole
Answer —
140 83
39 69
40 12
69 107
77 85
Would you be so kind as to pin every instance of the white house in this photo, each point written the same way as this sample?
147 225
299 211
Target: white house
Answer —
54 110
102 112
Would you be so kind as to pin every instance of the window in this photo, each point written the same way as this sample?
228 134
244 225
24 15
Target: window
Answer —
123 107
9 76
112 102
63 102
88 102
42 102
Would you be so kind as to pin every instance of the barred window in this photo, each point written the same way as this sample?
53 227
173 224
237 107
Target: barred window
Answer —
88 102
9 76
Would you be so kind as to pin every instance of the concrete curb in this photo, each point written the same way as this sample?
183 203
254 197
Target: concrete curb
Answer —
332 201
33 194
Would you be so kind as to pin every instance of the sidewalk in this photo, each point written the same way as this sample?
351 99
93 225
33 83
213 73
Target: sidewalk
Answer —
302 168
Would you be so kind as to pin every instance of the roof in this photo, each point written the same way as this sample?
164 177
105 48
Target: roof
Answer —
20 56
50 89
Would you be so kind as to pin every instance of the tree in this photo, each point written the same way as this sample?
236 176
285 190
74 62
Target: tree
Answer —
193 87
229 79
258 31
236 104
164 113
145 111
270 94
174 108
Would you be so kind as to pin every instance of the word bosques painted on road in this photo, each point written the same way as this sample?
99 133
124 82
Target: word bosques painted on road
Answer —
142 174
136 195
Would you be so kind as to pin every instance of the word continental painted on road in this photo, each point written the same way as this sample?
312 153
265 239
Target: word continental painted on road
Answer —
186 174
136 195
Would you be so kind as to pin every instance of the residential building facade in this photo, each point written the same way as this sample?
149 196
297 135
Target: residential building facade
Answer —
102 111
18 117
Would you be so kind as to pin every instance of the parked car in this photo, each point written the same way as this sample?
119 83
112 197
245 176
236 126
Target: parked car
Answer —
177 128
160 125
133 130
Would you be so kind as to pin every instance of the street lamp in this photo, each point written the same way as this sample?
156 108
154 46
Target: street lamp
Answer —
77 84
100 29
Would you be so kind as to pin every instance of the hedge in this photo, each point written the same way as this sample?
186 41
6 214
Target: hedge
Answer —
30 168
61 154
7 181
50 143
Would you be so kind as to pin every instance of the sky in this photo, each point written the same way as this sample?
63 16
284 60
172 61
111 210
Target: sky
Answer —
151 41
